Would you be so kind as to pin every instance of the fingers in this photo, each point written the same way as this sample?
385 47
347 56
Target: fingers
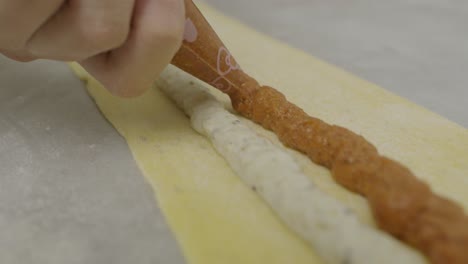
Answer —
83 28
19 19
156 35
125 44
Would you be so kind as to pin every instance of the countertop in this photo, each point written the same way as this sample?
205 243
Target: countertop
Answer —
70 191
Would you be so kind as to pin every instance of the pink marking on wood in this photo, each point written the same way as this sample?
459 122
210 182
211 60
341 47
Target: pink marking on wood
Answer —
191 32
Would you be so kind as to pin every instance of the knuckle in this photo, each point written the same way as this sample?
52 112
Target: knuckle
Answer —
171 24
101 37
172 5
172 35
170 32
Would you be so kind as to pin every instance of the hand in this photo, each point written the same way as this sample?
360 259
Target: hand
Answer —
124 44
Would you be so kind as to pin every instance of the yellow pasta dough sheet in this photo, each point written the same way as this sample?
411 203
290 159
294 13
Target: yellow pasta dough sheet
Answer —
218 219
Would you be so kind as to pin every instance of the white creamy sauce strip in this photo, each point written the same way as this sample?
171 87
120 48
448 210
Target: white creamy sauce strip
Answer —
332 228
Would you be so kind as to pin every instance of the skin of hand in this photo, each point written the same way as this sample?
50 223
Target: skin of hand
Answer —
124 44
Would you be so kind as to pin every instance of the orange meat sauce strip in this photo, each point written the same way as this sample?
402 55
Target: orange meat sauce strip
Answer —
402 205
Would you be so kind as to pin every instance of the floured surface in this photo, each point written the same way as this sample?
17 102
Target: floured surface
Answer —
70 191
213 214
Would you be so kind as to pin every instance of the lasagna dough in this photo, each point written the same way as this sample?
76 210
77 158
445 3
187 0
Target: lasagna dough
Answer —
218 219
